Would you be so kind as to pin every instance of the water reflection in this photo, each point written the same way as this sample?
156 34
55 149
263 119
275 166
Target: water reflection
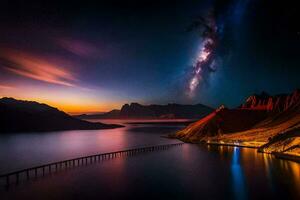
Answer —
291 169
187 172
248 166
18 151
238 180
295 169
267 159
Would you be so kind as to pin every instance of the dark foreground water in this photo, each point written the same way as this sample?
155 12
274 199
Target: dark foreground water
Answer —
183 172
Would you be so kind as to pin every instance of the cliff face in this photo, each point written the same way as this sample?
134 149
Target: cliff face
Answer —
261 117
29 116
278 103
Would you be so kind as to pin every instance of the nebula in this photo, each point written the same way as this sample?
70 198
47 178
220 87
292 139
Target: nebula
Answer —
205 61
216 30
198 69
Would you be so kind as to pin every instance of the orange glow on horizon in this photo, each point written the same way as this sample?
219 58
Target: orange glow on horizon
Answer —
83 109
74 101
75 108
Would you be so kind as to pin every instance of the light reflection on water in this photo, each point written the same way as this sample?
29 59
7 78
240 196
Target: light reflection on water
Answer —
248 166
238 181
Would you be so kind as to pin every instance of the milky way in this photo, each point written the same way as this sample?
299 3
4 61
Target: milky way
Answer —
198 69
205 59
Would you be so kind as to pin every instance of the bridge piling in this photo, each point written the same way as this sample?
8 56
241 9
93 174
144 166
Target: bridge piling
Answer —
65 164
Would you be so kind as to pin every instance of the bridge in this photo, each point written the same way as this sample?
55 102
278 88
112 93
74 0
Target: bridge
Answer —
42 170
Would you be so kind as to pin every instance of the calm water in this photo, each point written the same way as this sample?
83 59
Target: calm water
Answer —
183 172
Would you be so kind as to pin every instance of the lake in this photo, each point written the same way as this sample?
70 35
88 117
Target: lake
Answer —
189 171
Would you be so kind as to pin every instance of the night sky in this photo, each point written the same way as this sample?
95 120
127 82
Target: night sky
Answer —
87 57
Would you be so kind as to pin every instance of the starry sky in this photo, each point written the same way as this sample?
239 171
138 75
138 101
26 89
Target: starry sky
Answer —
92 57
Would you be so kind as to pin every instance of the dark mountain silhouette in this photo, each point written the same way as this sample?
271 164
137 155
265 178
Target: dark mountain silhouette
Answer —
113 114
169 111
256 122
30 116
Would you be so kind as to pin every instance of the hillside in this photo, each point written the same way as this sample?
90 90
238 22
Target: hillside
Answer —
30 116
287 142
256 122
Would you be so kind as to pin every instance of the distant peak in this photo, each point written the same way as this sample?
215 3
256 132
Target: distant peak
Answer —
277 103
26 104
7 99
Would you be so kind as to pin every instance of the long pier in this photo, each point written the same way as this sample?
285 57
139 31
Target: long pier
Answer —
42 170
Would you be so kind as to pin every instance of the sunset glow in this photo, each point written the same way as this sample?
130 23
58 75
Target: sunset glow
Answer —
68 101
33 67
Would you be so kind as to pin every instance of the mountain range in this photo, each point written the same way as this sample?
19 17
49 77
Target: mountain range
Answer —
30 116
169 111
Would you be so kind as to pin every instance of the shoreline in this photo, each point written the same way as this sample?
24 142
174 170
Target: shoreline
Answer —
277 155
233 145
285 156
